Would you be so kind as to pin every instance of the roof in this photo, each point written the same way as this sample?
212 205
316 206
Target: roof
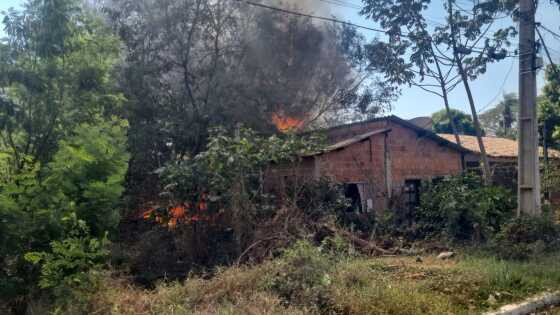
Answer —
429 134
355 139
495 147
419 130
347 142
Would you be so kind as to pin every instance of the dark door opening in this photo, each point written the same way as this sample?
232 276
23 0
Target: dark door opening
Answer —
352 192
412 192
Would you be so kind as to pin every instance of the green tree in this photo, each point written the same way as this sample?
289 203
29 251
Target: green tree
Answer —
549 109
463 42
62 151
84 180
552 88
501 120
55 73
87 172
463 122
548 112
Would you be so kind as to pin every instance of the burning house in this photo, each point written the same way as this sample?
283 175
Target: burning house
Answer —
383 161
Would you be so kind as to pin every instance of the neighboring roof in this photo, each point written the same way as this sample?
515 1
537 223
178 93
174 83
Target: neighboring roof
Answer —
495 147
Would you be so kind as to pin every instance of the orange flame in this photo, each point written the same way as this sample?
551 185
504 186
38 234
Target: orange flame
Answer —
285 124
183 213
178 212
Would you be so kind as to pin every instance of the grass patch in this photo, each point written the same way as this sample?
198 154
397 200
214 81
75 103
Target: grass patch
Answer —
312 280
510 281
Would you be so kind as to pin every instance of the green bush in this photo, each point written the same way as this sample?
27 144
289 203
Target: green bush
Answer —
461 208
86 175
232 165
68 268
527 237
84 180
304 276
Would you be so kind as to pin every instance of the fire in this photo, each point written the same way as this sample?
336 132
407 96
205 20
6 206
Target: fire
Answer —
285 124
183 213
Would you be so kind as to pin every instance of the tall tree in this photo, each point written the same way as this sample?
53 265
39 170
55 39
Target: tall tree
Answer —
464 41
196 64
61 156
55 73
548 113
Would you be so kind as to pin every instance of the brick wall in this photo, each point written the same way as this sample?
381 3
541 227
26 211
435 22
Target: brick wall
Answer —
410 157
419 157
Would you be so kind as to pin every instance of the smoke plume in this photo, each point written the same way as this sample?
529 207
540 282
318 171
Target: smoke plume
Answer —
305 6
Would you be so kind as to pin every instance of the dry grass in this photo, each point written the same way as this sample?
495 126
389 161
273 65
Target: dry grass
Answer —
342 285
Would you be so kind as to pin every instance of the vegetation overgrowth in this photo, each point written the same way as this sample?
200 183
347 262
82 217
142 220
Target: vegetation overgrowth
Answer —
310 279
137 142
455 209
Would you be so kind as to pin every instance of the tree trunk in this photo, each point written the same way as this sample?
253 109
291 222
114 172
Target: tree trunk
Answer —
485 164
446 100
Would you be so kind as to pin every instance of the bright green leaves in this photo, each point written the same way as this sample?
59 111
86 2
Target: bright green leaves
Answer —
68 264
461 208
233 164
56 73
62 153
88 173
82 183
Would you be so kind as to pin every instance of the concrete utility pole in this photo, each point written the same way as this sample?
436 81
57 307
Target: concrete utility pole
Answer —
529 200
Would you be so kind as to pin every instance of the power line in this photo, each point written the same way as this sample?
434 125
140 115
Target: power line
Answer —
322 18
546 50
501 89
343 4
549 30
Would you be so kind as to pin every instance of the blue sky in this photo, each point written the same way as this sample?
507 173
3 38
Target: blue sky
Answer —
488 89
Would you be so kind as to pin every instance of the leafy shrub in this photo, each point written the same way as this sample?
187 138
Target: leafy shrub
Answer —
461 208
84 180
87 173
231 165
67 268
304 276
526 237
